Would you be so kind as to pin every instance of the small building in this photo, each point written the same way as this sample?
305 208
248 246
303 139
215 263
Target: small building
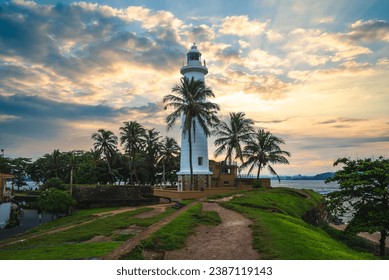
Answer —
224 174
4 194
5 199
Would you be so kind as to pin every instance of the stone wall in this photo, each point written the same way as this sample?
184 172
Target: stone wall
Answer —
111 196
199 182
265 182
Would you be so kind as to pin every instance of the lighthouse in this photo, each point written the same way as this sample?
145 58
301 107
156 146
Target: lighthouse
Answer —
197 70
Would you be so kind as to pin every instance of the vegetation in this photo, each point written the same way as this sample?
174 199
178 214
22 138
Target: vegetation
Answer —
105 145
189 101
279 231
55 201
71 243
53 183
232 134
262 150
141 163
169 152
132 136
364 192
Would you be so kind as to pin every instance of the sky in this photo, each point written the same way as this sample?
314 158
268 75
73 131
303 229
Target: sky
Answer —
315 73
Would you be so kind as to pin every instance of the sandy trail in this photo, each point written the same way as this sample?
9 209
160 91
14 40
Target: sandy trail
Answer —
230 240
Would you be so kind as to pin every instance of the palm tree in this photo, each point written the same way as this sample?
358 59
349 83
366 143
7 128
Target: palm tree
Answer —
189 100
152 148
132 136
232 133
169 153
105 144
262 150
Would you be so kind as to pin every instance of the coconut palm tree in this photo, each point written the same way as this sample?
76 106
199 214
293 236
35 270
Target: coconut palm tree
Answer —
189 99
262 150
105 144
169 153
232 133
132 136
151 150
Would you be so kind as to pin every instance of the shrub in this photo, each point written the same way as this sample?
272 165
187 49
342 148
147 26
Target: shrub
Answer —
55 202
53 183
257 184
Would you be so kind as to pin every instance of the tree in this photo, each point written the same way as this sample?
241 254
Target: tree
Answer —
132 136
105 144
19 169
189 99
151 150
232 133
364 192
55 201
169 153
55 183
262 150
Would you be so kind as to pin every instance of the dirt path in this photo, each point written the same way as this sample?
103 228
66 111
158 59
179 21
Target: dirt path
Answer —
133 242
374 237
230 240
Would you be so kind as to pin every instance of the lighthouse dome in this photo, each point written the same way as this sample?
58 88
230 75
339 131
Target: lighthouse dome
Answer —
194 54
194 67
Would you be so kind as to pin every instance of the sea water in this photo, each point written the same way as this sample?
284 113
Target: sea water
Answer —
318 186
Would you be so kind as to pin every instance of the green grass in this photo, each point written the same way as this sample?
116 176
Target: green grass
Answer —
173 235
284 200
61 251
280 233
109 226
77 218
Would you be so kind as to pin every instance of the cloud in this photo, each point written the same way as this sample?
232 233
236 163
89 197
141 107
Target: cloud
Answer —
342 120
35 107
201 33
242 26
268 87
75 51
370 30
341 142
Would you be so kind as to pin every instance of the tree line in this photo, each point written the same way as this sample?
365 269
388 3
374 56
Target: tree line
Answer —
147 159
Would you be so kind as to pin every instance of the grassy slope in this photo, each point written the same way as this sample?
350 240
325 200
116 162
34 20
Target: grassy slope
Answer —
279 232
70 243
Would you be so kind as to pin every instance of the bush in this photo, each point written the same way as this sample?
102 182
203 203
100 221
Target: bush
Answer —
257 184
55 202
53 183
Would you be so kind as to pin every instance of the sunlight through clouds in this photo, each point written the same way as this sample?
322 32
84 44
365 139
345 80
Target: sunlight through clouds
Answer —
316 73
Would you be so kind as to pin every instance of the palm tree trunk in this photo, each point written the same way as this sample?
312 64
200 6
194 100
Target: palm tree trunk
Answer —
110 171
258 172
190 159
163 173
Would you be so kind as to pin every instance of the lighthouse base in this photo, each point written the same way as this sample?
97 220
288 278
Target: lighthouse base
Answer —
200 182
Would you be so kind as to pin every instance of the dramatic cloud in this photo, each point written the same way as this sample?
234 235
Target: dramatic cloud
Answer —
371 30
315 74
242 26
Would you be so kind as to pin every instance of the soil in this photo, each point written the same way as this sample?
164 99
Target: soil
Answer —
230 240
374 237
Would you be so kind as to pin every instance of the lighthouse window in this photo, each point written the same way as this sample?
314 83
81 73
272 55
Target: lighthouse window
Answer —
200 161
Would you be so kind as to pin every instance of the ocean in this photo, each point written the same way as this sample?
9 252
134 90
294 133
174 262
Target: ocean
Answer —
318 186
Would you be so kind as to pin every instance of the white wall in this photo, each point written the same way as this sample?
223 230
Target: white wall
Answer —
5 212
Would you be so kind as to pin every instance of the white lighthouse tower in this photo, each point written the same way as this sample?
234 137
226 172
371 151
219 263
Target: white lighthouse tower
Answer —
194 68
